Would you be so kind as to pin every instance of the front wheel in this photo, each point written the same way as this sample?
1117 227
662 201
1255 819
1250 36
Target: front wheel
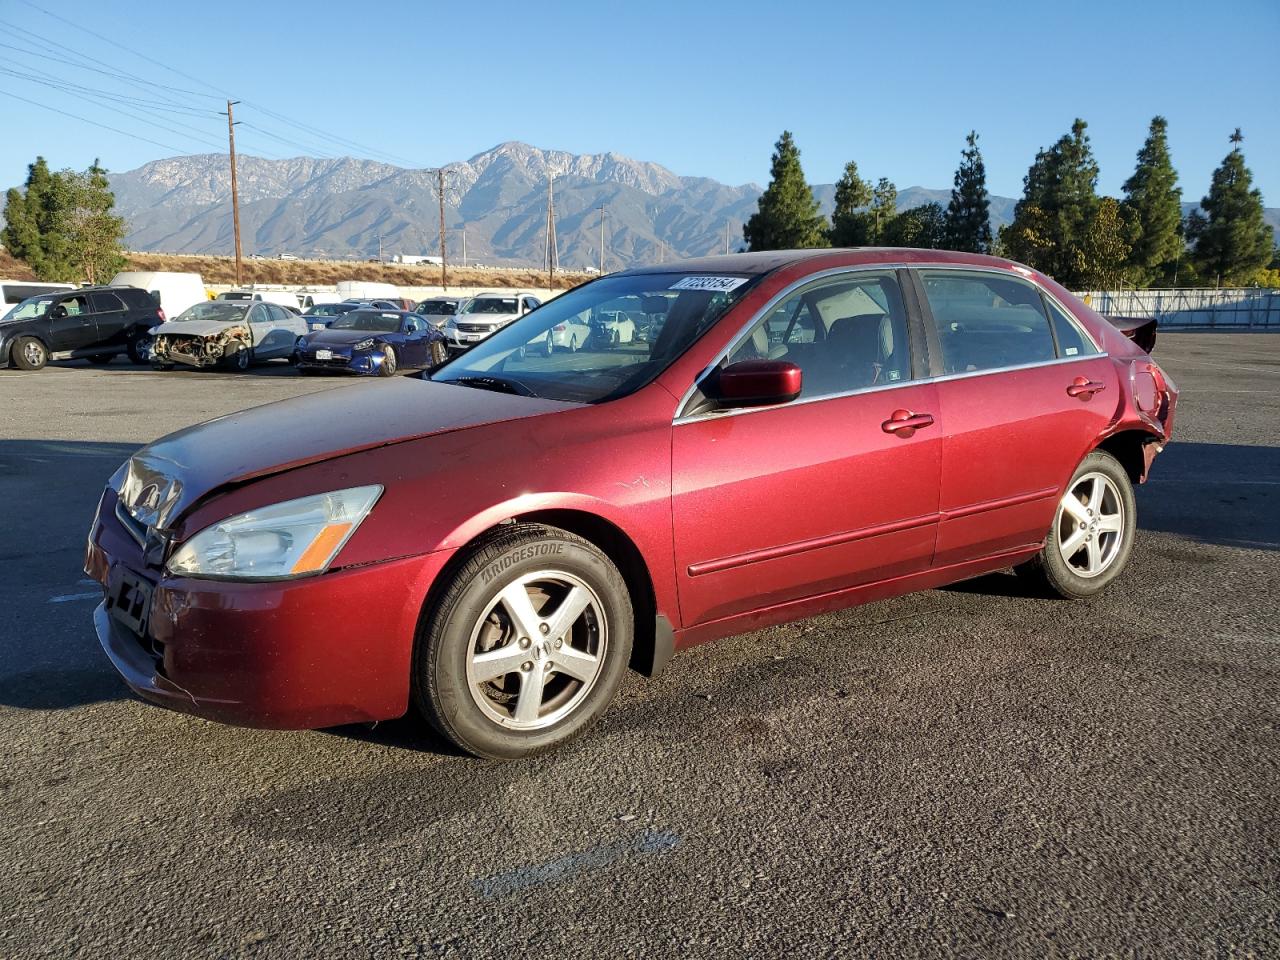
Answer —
241 360
526 647
388 367
29 354
1092 534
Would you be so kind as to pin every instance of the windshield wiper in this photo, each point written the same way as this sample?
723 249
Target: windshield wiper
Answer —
497 384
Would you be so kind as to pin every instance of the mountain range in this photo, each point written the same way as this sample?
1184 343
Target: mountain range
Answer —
349 207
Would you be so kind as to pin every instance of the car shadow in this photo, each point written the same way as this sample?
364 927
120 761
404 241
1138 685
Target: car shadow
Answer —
409 732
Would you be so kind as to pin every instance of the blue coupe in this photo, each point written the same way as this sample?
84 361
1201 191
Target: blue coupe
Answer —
371 342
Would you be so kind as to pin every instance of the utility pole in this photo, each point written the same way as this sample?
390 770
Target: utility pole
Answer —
235 189
726 236
444 267
601 271
551 231
464 246
379 248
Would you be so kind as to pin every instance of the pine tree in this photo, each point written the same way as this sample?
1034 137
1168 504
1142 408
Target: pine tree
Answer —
21 234
884 207
1106 249
923 226
1231 239
787 217
1058 206
1153 202
850 224
968 225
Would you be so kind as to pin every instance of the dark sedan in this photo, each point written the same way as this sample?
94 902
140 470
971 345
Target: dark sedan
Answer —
371 342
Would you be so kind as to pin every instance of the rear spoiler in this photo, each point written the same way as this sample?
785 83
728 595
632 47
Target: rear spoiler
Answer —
1141 330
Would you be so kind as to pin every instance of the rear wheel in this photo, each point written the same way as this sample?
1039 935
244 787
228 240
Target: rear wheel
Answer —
140 349
1092 534
526 647
29 354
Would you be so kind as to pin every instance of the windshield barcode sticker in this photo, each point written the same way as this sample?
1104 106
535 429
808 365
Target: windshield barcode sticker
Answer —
720 284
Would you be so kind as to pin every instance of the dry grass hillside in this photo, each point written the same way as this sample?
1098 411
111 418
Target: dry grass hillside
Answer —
329 272
319 272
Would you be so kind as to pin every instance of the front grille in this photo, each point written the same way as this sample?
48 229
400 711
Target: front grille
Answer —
331 362
473 327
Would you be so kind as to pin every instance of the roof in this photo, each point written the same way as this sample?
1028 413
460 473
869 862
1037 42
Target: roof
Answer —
766 261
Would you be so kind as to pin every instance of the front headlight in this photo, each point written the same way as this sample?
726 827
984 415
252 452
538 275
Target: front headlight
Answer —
295 538
363 345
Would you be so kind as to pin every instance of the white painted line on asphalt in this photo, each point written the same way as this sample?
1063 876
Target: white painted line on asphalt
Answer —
71 597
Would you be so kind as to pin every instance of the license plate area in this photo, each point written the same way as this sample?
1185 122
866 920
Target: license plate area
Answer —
129 599
324 354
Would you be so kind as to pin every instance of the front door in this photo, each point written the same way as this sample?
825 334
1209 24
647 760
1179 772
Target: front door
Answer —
780 503
266 334
71 324
1023 399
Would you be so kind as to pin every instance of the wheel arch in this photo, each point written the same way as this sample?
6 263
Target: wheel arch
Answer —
654 640
1129 447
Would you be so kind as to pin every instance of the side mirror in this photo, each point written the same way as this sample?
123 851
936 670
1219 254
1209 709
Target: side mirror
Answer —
756 383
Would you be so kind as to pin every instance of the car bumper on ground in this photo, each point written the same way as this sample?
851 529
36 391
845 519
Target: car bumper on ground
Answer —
294 654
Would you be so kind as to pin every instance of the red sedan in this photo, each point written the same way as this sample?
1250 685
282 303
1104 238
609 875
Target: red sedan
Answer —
783 434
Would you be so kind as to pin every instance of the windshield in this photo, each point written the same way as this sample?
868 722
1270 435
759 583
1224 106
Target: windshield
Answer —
330 309
367 320
601 341
226 311
28 309
440 308
490 305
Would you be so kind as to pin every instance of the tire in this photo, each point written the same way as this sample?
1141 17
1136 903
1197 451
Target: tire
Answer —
483 717
140 349
1105 535
573 343
388 367
101 359
28 353
241 360
549 349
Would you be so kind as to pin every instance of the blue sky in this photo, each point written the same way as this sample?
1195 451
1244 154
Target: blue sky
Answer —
703 88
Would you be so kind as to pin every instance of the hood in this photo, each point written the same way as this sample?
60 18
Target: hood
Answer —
501 319
342 337
195 328
164 479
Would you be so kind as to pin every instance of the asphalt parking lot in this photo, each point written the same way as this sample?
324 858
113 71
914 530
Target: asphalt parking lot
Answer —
972 771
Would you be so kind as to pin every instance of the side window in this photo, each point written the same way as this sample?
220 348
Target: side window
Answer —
258 313
986 321
530 304
1071 340
105 303
845 333
75 306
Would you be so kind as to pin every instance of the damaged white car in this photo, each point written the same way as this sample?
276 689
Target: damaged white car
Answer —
226 333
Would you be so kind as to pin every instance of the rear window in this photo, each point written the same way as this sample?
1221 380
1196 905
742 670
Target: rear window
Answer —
986 321
440 308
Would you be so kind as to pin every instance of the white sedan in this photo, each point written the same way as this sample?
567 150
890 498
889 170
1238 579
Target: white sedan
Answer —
230 333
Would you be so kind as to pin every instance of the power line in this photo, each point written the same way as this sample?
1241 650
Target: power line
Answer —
123 133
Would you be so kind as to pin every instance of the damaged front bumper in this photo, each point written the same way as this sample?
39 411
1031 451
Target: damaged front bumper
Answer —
199 351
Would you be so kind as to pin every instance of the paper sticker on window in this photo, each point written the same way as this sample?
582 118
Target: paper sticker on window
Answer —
1072 351
717 284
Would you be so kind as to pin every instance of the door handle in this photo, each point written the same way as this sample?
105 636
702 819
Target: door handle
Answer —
1084 388
904 423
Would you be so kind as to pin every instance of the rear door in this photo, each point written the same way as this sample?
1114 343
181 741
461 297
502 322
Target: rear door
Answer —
71 324
111 319
1022 404
779 503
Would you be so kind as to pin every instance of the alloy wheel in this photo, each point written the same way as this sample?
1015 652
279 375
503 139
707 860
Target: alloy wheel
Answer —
1090 525
537 650
33 353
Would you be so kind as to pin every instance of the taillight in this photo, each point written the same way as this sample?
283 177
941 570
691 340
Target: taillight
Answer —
1151 389
559 328
160 314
